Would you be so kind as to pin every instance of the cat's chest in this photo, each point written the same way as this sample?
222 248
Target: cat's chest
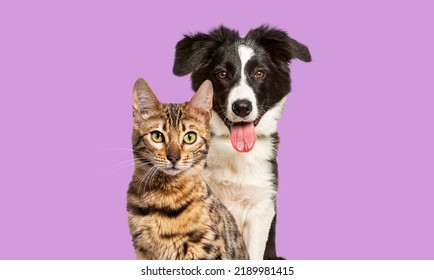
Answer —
240 179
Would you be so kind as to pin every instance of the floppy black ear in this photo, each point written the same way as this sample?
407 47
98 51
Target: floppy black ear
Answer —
198 49
190 52
279 44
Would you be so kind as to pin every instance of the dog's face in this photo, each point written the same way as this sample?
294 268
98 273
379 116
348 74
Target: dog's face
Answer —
250 77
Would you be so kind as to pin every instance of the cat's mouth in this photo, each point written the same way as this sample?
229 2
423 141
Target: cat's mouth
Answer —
172 170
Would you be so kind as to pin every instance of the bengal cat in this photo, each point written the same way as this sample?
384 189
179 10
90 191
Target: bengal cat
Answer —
172 213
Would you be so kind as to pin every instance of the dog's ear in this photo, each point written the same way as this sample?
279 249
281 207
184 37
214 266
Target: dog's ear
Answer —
197 50
190 52
279 44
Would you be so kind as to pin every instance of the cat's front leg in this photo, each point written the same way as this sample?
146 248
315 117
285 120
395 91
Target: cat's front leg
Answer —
256 229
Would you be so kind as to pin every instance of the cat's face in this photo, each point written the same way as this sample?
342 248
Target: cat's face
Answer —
170 137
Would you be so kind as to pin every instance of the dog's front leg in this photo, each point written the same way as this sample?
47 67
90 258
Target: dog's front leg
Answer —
257 227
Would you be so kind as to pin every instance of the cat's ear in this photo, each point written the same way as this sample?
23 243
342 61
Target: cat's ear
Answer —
144 99
201 102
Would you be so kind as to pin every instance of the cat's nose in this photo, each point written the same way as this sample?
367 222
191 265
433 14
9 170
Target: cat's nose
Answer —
173 157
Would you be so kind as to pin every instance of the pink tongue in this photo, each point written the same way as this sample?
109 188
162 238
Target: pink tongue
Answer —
243 137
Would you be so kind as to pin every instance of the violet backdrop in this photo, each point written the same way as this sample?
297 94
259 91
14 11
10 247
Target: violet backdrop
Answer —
356 159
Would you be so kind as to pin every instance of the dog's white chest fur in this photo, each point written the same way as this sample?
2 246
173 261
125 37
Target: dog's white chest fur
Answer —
243 182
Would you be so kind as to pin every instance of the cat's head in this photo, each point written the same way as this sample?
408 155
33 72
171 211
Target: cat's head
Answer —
171 137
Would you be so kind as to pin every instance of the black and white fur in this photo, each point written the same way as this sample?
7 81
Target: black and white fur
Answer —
256 75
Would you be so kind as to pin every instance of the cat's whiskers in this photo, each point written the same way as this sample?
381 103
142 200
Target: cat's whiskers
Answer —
120 149
134 162
140 163
184 220
143 182
151 176
121 166
122 162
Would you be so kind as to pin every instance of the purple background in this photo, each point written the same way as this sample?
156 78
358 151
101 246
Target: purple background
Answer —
356 155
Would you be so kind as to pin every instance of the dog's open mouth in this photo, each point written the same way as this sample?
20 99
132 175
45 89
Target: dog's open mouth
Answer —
243 135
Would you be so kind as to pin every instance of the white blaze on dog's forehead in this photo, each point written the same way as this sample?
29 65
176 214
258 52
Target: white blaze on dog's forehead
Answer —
245 53
242 90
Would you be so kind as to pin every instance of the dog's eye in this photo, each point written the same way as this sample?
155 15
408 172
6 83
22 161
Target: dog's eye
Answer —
222 75
259 74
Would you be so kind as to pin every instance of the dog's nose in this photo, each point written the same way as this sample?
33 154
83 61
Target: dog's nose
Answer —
242 107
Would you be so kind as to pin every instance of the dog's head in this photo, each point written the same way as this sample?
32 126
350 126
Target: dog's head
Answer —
250 77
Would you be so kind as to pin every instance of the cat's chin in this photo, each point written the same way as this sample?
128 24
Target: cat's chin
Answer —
172 171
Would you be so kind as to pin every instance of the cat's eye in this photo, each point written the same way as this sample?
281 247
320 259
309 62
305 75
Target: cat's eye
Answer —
260 74
157 136
190 138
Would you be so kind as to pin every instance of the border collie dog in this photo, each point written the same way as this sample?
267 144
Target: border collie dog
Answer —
250 77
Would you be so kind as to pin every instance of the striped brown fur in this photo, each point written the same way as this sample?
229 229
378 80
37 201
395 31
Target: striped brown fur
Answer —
172 213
